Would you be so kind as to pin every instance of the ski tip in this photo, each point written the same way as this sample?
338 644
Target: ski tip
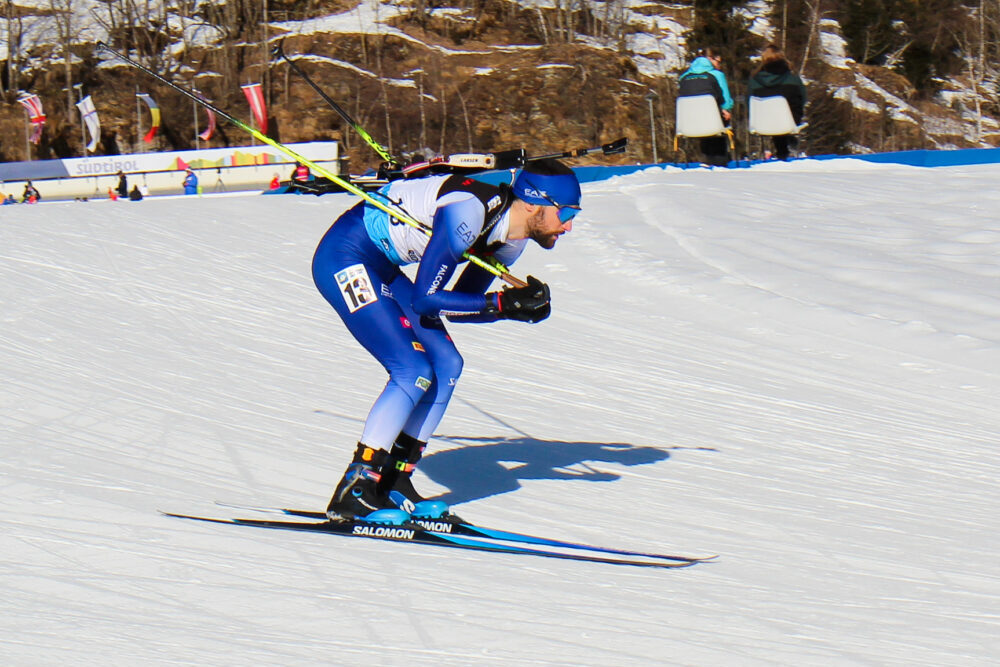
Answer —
713 558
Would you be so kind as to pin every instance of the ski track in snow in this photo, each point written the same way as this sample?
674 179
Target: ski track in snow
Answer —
794 366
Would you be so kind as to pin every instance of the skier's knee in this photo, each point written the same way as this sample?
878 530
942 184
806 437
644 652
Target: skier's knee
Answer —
448 369
415 379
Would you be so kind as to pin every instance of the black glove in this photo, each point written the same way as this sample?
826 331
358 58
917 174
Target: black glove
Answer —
532 316
525 304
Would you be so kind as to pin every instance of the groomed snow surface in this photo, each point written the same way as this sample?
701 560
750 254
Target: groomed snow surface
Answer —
795 366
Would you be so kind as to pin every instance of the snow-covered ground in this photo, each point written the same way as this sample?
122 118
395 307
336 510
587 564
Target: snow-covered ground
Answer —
795 366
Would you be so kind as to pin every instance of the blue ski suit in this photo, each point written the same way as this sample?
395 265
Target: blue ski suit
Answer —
356 268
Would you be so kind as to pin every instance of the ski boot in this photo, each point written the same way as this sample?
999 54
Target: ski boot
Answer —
357 495
396 481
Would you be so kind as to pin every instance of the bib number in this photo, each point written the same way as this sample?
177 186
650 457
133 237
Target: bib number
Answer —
356 287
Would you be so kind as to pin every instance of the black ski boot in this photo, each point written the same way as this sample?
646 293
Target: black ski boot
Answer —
399 466
396 480
357 495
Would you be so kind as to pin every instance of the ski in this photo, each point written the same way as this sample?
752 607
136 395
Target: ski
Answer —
416 534
473 530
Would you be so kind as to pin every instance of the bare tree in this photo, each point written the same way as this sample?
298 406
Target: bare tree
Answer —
62 12
815 16
465 113
15 31
972 40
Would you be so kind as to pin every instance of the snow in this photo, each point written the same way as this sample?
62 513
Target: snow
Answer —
834 47
401 83
368 17
795 366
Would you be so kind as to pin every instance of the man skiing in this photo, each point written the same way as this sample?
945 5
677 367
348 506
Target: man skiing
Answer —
356 269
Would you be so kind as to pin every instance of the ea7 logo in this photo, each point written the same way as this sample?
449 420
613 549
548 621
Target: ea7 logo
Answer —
537 194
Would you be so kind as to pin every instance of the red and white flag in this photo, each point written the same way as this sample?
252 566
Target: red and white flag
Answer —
255 96
33 105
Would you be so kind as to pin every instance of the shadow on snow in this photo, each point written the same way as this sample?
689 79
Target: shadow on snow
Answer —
498 465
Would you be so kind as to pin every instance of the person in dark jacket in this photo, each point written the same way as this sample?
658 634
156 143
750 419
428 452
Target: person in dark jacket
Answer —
136 194
31 194
122 185
703 77
775 77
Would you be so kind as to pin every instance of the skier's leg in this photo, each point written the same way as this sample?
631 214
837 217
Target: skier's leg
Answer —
357 292
446 363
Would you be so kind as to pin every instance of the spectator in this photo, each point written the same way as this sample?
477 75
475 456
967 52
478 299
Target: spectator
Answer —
275 182
9 200
301 173
190 182
775 77
703 77
31 194
122 188
135 195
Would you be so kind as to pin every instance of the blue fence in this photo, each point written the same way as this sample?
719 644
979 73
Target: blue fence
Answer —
921 158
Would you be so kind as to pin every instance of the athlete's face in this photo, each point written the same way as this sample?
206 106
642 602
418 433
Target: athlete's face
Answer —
545 227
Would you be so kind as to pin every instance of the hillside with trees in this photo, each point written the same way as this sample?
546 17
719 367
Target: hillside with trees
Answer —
429 77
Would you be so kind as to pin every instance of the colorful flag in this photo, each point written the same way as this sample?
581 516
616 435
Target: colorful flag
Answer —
255 96
90 119
154 112
33 105
210 130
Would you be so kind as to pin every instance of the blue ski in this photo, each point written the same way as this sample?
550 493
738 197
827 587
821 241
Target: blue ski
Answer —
445 526
416 534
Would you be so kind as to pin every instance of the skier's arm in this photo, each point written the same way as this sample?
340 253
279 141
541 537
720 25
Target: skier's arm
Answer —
455 228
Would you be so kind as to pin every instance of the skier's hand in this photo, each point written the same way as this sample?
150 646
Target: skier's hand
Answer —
532 316
525 304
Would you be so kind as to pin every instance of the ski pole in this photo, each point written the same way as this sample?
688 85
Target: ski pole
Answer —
496 268
376 146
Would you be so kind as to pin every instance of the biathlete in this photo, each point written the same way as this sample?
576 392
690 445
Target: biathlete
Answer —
357 269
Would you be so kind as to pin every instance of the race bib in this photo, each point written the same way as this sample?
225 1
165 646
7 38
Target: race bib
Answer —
356 287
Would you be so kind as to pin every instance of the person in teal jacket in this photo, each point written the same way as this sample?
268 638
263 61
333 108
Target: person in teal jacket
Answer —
704 77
